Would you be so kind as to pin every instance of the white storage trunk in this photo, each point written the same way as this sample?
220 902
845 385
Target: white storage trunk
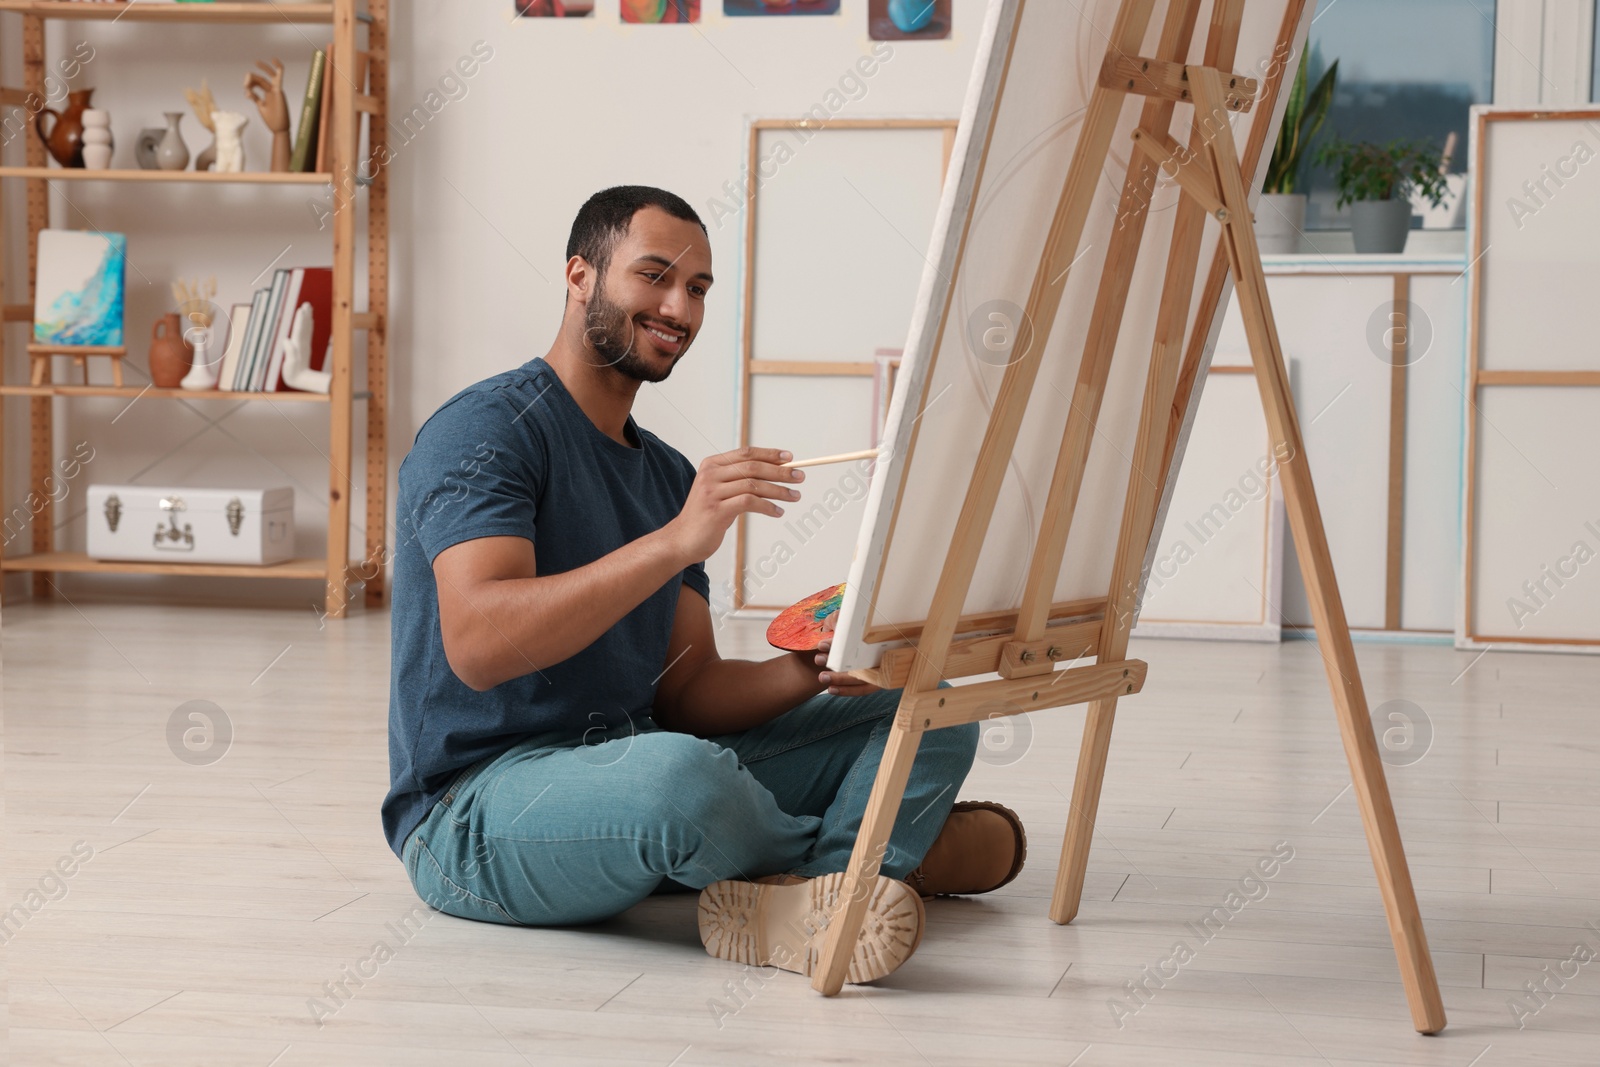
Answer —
186 525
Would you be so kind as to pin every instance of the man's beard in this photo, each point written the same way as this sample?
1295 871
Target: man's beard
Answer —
611 332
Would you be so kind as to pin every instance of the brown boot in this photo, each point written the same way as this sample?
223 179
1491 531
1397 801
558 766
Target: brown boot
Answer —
980 849
773 923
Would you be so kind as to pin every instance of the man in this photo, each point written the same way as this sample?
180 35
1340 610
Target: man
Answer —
564 739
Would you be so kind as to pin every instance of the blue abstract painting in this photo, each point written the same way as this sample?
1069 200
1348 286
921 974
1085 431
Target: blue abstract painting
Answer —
78 293
780 7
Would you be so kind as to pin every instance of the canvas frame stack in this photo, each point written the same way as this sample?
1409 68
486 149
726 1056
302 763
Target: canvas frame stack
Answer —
1210 171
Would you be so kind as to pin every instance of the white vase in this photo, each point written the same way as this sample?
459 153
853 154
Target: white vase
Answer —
1280 219
207 364
96 156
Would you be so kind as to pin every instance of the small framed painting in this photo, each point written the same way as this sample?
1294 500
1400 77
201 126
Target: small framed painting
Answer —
661 12
780 7
78 291
547 9
908 20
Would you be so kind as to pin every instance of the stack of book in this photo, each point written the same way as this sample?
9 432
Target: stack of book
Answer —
253 360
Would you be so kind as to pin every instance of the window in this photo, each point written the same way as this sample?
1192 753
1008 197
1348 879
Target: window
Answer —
1406 70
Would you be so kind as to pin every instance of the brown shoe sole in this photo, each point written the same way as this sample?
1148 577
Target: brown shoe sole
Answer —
766 925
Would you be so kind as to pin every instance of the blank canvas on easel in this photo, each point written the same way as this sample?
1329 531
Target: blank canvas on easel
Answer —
992 221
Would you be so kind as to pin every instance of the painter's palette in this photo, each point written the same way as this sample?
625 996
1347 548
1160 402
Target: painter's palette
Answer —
801 627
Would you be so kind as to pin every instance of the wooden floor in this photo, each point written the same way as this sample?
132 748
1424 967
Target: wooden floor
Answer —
221 898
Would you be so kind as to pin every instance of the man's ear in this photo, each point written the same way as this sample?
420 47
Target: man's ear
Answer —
580 279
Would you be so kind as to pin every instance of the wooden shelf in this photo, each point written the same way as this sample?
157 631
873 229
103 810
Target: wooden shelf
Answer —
80 563
133 392
347 448
82 174
261 11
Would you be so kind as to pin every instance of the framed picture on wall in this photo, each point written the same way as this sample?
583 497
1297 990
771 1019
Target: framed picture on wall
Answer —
908 20
661 12
545 9
780 7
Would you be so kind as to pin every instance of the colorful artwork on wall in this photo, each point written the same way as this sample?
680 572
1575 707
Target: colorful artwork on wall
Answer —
544 9
661 12
908 20
780 7
78 291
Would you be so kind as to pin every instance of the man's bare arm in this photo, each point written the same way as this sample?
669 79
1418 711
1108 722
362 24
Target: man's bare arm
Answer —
501 620
701 693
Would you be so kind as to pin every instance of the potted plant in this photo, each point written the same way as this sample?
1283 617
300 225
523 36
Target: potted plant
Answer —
1281 215
1379 180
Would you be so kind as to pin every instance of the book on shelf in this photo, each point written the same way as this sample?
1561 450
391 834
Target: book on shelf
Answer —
273 380
316 289
238 325
320 164
306 135
358 86
253 361
267 340
239 380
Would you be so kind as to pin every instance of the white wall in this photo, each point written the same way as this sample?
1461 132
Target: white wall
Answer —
481 202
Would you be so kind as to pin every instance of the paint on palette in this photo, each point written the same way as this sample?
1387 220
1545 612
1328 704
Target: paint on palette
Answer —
801 627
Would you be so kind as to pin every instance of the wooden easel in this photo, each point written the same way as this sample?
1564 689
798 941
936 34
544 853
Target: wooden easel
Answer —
1208 171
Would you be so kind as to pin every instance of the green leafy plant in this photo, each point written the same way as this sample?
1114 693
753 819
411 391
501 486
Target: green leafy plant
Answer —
1303 116
1392 171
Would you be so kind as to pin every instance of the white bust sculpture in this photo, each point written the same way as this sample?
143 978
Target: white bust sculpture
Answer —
230 148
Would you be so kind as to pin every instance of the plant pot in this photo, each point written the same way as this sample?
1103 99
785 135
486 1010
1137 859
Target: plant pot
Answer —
1380 226
1280 218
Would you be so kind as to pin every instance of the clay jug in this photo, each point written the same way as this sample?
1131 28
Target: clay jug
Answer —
170 354
65 138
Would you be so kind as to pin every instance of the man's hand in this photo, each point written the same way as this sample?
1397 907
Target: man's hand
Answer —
838 684
726 486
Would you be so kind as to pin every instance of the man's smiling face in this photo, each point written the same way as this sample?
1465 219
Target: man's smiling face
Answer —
650 300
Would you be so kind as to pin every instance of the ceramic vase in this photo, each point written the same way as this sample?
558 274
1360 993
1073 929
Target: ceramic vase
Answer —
206 364
64 140
170 354
148 145
97 140
173 153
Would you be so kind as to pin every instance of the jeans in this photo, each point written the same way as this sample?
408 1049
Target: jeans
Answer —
561 830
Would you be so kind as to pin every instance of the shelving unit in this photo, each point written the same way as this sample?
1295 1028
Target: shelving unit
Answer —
337 569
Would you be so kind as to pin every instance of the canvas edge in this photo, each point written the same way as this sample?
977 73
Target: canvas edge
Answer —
850 651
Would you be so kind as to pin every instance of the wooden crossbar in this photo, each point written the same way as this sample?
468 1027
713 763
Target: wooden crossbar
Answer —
1169 80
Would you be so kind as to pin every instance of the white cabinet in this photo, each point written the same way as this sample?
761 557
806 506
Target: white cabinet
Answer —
1379 399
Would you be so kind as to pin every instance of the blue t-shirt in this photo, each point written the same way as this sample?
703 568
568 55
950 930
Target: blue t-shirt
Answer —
516 456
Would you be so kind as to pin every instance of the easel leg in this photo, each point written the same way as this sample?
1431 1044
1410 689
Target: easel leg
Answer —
1322 589
1085 805
871 845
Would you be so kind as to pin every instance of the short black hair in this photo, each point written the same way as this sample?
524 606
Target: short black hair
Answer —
606 216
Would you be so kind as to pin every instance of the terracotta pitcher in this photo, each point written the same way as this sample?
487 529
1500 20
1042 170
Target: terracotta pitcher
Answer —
65 138
170 354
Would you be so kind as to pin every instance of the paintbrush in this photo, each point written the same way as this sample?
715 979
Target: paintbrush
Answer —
842 457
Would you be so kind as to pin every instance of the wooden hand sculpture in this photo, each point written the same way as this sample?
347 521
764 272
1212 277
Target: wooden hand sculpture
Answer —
273 107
